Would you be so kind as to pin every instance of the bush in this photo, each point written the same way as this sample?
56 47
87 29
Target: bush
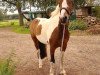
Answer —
77 25
96 11
6 68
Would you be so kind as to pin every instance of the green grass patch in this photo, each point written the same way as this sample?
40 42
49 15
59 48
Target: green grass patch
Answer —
7 67
4 24
14 24
20 29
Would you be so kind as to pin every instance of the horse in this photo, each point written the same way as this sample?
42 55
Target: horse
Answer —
52 31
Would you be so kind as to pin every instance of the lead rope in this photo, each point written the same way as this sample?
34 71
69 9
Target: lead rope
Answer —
62 42
62 39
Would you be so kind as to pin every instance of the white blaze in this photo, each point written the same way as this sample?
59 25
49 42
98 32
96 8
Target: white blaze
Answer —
65 5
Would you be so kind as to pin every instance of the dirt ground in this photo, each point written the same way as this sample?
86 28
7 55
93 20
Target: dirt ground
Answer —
82 57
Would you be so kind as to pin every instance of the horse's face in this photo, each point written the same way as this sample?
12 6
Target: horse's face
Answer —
66 7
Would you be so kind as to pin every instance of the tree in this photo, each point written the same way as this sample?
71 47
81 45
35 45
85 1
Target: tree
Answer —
21 4
97 11
40 4
18 5
43 4
1 15
96 2
79 3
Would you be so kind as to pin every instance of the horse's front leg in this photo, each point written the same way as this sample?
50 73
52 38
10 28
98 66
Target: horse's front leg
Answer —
52 61
51 68
62 64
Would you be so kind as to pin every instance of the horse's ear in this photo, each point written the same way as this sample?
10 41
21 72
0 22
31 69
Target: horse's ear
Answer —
58 1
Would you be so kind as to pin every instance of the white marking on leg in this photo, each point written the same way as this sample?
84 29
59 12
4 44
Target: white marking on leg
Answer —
62 64
40 60
51 68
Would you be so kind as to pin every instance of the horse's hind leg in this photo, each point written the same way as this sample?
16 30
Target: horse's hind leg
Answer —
40 60
38 47
36 42
42 53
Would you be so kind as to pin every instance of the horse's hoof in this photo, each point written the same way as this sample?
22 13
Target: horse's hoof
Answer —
51 74
40 66
63 72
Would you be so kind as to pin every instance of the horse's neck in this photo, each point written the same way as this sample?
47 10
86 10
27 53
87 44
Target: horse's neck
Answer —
54 17
55 12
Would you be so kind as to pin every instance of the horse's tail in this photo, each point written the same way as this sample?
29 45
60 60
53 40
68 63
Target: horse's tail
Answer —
42 48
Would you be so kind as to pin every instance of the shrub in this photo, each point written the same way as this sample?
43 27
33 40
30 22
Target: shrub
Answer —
77 25
7 67
96 11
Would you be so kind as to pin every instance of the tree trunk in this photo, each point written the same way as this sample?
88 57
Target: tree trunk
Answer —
21 23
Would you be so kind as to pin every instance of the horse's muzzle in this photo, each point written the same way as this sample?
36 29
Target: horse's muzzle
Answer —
64 19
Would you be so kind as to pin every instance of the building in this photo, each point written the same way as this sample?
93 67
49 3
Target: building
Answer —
84 11
34 14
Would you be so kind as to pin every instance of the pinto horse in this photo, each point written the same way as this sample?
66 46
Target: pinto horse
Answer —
52 31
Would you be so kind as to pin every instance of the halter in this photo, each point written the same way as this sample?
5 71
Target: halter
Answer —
65 9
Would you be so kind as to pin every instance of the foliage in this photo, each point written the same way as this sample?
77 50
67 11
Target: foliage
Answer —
77 25
97 11
15 4
7 67
1 15
43 4
96 2
78 3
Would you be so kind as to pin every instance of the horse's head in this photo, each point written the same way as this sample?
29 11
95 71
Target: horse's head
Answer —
66 7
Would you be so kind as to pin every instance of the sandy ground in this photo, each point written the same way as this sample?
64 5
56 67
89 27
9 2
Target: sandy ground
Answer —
82 57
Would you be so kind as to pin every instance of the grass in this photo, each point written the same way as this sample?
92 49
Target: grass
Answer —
7 67
4 24
14 25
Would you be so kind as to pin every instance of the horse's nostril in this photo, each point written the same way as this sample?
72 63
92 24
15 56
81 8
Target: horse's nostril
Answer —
65 17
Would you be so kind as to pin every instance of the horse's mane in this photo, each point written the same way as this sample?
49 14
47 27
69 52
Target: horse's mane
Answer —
55 12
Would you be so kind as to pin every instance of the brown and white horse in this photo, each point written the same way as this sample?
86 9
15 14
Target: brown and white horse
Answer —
52 31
